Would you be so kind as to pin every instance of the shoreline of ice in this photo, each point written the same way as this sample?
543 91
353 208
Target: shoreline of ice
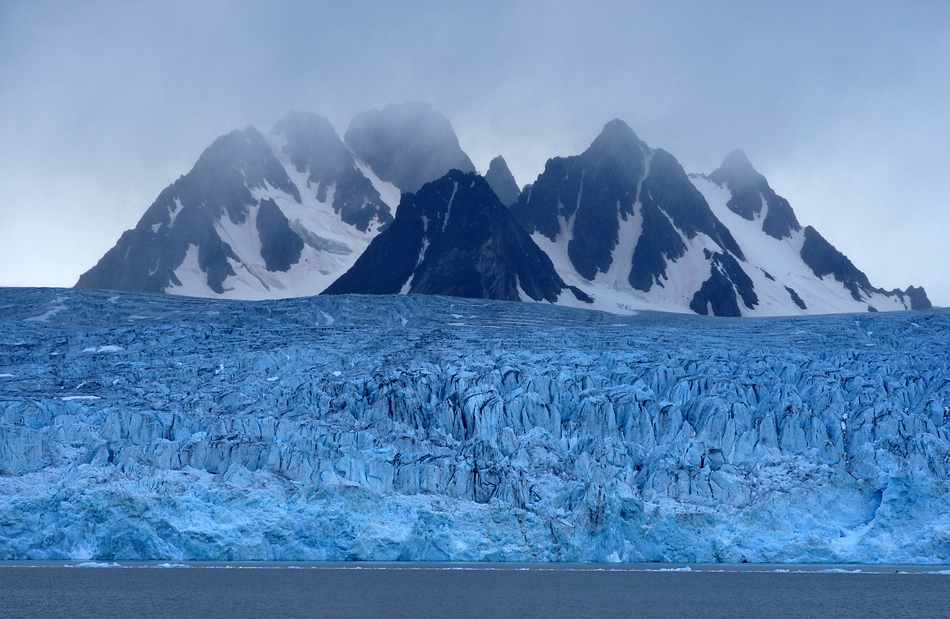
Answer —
718 568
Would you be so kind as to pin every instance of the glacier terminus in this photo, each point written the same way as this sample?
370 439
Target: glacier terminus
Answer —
139 426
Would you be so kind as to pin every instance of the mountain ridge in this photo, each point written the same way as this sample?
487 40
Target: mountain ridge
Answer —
290 212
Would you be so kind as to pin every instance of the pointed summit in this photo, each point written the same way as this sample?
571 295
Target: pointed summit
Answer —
751 192
620 213
593 191
617 139
311 143
736 162
454 237
407 144
619 130
502 182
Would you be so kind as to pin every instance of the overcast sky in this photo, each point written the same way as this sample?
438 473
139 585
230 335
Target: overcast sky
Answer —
842 105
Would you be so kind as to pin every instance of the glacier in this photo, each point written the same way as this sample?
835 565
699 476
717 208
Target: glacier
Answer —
151 427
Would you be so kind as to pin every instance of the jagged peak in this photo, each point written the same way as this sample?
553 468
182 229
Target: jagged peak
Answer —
736 169
617 132
737 160
458 177
617 144
499 164
235 147
310 141
501 180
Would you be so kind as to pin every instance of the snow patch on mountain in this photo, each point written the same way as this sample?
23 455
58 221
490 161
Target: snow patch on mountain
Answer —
331 246
777 264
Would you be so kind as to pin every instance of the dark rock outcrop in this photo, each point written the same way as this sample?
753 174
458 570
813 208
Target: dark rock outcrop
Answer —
727 284
454 237
314 147
502 182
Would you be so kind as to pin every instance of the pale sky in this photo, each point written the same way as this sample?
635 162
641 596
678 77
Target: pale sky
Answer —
842 105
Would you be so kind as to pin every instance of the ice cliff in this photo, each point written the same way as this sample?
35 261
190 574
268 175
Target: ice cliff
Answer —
426 428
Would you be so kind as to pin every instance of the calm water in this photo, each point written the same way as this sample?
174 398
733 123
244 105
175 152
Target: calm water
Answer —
450 591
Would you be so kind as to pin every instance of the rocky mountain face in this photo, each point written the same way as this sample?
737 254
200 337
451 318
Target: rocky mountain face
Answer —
752 198
817 277
407 144
626 224
279 215
502 182
313 148
185 231
454 237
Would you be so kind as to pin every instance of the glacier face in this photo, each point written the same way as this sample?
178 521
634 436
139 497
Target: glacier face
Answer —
137 427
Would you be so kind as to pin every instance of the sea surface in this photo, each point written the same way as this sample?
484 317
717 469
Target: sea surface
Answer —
208 591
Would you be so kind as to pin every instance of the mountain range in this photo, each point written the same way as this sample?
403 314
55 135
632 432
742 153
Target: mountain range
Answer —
396 206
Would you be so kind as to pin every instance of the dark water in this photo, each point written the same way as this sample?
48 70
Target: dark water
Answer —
209 592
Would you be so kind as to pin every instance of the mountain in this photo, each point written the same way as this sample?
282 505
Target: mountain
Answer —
257 217
407 144
502 182
289 212
625 223
791 263
454 237
283 214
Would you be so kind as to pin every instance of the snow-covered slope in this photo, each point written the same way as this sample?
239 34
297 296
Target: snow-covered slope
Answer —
791 266
625 223
287 214
414 427
258 217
